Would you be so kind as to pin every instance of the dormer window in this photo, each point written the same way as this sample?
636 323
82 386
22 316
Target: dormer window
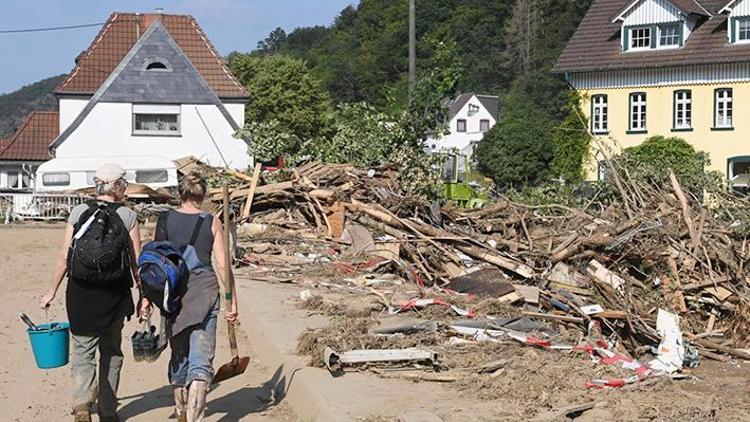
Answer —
657 24
669 35
640 38
743 29
156 64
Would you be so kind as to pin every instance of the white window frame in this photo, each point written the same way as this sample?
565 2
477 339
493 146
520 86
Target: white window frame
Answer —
5 179
167 109
637 112
723 108
661 28
458 125
737 30
683 110
632 38
599 114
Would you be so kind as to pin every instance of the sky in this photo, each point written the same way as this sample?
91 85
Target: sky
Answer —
230 24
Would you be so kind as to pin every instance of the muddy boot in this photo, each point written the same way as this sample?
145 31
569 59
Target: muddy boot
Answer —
82 413
196 402
180 403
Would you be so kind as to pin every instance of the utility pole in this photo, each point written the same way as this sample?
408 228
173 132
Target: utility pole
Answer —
412 47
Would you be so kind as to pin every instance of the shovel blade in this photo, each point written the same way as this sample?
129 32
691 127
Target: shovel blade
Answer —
237 366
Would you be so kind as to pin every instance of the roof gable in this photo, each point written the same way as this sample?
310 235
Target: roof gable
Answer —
123 30
490 102
686 7
123 85
180 83
30 141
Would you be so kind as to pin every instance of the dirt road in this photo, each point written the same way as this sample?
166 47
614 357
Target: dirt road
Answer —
31 394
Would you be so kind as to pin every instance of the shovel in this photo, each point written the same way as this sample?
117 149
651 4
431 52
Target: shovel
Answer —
238 364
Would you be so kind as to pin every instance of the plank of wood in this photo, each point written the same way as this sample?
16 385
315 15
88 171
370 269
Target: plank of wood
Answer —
251 192
553 317
611 314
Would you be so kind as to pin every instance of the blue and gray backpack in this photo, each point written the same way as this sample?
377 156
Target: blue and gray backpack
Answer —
165 269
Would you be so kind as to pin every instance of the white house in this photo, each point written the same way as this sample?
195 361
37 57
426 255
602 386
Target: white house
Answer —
150 89
470 116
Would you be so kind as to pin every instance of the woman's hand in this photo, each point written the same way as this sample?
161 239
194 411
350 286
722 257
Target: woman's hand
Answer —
47 299
231 313
144 309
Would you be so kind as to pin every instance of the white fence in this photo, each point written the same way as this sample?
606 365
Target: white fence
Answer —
31 206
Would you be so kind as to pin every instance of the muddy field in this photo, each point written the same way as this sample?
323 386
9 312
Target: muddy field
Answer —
31 394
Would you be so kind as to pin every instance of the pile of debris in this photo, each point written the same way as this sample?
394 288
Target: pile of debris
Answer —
660 268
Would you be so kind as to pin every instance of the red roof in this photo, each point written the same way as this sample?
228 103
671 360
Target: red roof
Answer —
30 142
121 32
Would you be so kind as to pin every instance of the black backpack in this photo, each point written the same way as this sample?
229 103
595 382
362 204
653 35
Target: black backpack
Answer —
100 251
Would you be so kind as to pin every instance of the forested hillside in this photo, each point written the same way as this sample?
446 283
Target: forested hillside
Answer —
363 55
14 106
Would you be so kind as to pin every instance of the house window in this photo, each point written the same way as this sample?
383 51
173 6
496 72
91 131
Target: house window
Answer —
461 125
151 176
638 112
484 125
738 173
599 114
56 179
683 109
669 35
743 29
15 178
640 38
157 120
473 109
602 170
723 108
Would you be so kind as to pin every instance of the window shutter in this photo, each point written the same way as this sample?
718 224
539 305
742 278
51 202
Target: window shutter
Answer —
732 32
681 26
653 36
625 36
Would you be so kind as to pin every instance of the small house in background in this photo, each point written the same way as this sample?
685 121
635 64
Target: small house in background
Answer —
151 88
26 149
470 116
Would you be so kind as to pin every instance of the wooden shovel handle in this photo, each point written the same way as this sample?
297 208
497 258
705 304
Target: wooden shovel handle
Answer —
228 278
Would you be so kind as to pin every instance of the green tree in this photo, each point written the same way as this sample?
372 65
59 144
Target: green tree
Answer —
283 90
572 141
360 135
273 42
519 149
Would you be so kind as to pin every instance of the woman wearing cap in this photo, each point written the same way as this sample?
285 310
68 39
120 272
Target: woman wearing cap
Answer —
97 311
193 330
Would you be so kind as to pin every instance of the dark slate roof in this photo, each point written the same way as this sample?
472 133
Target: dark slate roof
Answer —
490 102
596 43
179 84
120 33
31 140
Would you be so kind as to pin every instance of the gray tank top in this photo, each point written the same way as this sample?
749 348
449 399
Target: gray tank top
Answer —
180 227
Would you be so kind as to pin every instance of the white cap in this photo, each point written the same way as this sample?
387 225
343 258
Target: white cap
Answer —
109 172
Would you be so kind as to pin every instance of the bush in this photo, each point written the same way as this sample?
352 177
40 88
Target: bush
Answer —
518 150
652 160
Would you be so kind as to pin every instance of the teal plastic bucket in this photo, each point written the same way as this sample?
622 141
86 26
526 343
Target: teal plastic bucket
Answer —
50 344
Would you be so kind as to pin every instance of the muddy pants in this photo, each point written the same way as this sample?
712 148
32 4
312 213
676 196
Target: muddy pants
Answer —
193 352
86 387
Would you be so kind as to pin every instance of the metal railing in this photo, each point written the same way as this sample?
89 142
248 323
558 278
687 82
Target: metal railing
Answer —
31 206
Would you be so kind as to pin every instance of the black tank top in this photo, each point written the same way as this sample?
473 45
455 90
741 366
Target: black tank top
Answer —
180 227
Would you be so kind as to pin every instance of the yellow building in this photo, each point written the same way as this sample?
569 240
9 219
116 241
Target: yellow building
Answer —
670 68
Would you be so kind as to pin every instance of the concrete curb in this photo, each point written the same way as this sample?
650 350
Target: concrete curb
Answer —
297 384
